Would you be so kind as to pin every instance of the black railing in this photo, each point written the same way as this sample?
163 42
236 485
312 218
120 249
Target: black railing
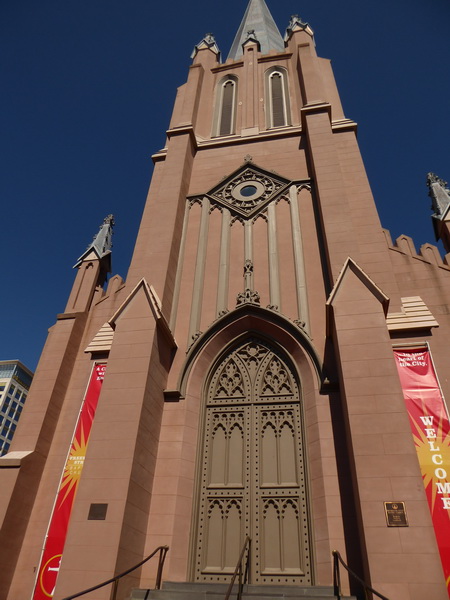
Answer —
243 575
337 558
115 580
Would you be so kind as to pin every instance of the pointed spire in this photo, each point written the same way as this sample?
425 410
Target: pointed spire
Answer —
440 203
102 242
260 23
439 194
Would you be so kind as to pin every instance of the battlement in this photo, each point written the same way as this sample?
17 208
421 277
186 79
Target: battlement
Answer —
428 253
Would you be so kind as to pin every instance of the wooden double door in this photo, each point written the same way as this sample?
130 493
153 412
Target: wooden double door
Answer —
253 479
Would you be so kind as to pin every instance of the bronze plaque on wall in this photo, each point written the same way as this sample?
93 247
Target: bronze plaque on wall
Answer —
395 514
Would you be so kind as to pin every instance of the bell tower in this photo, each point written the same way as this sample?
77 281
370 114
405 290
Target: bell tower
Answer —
249 387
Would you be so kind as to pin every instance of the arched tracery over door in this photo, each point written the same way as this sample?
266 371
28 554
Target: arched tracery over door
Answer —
252 478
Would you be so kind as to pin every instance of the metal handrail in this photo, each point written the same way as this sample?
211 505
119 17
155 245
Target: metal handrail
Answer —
115 580
238 571
337 558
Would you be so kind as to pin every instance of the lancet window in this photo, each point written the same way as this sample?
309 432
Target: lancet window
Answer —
225 114
277 97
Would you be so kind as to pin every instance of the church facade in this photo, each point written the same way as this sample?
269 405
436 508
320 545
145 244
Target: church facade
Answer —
247 378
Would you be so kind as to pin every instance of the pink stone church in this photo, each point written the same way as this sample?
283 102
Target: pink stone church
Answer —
269 379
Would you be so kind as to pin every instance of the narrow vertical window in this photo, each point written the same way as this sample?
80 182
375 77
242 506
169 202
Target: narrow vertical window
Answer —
225 114
278 108
277 99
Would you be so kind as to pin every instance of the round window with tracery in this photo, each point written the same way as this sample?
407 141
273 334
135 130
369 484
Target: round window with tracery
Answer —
248 192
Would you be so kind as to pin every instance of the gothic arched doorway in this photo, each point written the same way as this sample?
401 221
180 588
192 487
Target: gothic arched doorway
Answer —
252 477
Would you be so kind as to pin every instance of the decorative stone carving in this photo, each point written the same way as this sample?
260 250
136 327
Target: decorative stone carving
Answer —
248 267
196 200
276 380
249 190
230 381
299 323
238 219
262 216
248 297
195 337
252 353
285 197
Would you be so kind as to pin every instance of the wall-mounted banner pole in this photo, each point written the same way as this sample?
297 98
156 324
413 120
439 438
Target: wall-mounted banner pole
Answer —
431 432
59 522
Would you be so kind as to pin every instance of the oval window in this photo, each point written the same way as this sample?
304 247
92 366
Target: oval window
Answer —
248 190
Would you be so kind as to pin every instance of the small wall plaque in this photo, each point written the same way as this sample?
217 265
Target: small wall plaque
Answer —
396 514
97 512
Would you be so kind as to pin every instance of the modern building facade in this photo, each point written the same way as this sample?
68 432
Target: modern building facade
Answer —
242 380
15 381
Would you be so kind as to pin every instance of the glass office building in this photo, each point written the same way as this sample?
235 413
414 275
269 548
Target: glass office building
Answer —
15 381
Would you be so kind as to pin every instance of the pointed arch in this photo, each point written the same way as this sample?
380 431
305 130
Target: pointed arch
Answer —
204 356
252 456
248 318
225 109
277 98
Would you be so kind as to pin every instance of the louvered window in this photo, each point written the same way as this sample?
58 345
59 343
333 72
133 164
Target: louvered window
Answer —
278 112
277 98
225 114
226 118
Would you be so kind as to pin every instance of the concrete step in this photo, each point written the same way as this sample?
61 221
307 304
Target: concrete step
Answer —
216 591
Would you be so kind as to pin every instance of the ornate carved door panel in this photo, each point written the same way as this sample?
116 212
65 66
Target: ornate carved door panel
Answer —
252 471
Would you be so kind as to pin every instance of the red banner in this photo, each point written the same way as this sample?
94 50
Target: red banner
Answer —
431 432
59 522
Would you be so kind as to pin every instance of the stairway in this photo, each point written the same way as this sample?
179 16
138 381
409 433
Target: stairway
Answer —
217 591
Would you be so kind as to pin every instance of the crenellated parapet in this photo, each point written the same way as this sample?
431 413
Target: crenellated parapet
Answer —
428 253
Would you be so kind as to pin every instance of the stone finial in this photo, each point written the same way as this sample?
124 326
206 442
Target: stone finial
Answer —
433 178
296 24
109 220
251 37
208 42
248 297
209 39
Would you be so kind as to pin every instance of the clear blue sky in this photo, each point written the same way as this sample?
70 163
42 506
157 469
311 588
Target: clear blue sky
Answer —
86 98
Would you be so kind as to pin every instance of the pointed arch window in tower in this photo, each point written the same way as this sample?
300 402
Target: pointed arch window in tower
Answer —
277 98
225 114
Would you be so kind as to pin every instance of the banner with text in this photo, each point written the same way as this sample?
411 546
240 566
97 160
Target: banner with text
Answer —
431 432
59 522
